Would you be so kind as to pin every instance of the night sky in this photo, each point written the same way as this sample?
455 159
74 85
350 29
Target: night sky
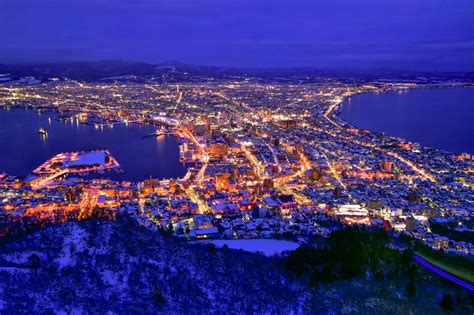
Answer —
365 34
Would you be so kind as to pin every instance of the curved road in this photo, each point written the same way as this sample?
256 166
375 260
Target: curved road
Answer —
443 274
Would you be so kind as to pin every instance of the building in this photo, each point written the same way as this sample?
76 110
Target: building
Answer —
288 123
275 169
351 210
268 183
200 129
222 181
202 221
313 175
218 150
387 166
204 232
410 224
375 204
441 242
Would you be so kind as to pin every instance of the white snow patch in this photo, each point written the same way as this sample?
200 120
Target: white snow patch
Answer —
20 257
76 238
88 159
109 277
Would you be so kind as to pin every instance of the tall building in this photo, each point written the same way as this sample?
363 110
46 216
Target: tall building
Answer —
387 166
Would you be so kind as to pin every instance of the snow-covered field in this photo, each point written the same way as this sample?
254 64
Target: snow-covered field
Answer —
87 159
268 247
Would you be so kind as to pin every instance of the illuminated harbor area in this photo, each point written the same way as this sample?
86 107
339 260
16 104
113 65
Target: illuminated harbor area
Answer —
135 146
79 162
230 159
237 157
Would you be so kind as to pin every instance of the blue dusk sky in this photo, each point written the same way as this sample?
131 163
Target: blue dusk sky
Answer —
359 34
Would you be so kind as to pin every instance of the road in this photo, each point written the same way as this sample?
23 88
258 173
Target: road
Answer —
193 195
443 274
259 168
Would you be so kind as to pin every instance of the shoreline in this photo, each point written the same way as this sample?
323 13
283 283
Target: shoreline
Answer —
53 115
335 114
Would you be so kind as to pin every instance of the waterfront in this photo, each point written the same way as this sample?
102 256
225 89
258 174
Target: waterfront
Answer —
24 149
447 127
261 171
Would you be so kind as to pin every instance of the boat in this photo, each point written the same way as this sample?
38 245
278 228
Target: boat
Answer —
43 131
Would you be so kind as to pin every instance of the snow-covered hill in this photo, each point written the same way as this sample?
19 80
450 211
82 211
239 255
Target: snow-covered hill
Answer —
122 268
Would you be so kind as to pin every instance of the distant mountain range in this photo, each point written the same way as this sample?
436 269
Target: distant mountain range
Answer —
93 70
174 70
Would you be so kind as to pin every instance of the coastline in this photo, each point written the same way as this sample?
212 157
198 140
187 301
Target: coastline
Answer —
87 129
335 114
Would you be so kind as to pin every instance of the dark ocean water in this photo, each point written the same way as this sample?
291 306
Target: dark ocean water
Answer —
439 118
22 148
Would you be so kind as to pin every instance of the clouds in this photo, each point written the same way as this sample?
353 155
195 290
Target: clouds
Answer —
320 33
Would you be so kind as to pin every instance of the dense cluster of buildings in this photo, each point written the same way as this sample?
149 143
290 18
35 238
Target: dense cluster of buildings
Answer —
266 160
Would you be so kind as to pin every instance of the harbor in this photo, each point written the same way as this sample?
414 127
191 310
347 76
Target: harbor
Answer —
139 158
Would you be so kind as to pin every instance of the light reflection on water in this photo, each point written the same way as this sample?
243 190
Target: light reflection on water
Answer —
439 118
23 148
